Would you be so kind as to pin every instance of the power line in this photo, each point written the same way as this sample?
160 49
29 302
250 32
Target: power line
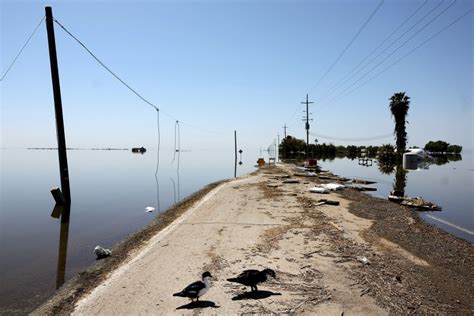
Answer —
343 79
355 139
411 51
348 45
108 69
349 77
340 56
393 52
128 86
22 48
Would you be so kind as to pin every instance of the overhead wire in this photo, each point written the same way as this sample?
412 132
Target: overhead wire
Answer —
375 49
107 68
356 35
128 86
350 76
348 45
411 51
353 139
22 48
393 52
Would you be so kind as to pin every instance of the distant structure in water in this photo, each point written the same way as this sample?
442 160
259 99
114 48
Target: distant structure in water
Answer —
139 150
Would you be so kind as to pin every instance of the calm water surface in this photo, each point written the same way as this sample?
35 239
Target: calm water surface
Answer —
110 190
449 185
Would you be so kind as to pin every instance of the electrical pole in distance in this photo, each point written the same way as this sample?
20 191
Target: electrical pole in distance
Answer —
278 148
307 118
284 128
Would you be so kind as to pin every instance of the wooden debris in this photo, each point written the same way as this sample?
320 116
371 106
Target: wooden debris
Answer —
418 203
360 181
328 202
363 188
337 227
291 181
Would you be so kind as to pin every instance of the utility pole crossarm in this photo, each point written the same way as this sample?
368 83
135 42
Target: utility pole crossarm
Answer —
307 102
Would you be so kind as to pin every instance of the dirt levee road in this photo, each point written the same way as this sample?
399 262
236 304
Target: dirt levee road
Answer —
326 259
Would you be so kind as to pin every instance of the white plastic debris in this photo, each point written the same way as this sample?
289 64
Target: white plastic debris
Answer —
333 186
311 174
149 209
101 252
318 190
363 260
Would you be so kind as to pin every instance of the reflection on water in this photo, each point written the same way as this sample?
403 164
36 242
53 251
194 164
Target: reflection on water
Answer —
176 185
63 240
111 190
446 180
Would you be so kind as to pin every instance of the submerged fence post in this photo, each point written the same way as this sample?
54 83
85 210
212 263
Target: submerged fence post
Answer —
63 168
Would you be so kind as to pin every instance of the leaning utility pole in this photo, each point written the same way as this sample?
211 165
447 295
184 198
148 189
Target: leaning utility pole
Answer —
307 119
63 169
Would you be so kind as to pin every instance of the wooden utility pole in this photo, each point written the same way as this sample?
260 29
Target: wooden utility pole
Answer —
307 118
63 168
235 164
284 128
278 147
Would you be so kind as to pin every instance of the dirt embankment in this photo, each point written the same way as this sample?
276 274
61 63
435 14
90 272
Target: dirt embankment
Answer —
364 256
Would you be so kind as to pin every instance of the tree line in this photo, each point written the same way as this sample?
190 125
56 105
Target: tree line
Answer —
292 147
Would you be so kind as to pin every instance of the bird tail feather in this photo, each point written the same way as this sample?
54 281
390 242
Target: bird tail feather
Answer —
179 294
233 280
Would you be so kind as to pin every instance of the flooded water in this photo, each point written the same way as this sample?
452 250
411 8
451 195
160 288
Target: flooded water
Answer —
110 191
449 186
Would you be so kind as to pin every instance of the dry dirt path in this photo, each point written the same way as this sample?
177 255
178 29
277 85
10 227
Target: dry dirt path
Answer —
239 225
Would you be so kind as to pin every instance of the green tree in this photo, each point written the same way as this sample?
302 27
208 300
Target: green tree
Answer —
454 149
399 105
438 146
291 147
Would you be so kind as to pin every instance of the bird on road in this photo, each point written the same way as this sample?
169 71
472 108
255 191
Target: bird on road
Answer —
196 289
253 277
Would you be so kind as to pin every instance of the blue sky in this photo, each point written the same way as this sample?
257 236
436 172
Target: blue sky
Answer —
220 66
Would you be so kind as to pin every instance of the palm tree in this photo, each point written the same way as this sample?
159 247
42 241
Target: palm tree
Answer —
399 105
400 181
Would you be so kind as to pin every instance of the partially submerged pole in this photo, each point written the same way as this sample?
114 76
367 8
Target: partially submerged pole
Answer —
63 168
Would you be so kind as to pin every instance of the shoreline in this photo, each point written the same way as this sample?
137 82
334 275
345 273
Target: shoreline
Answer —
63 300
414 266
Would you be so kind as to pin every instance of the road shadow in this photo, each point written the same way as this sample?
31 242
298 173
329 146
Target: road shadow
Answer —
257 295
198 304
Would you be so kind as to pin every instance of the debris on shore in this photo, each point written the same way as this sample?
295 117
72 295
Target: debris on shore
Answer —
417 202
102 252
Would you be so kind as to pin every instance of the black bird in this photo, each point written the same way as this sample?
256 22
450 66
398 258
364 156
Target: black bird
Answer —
253 277
196 289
